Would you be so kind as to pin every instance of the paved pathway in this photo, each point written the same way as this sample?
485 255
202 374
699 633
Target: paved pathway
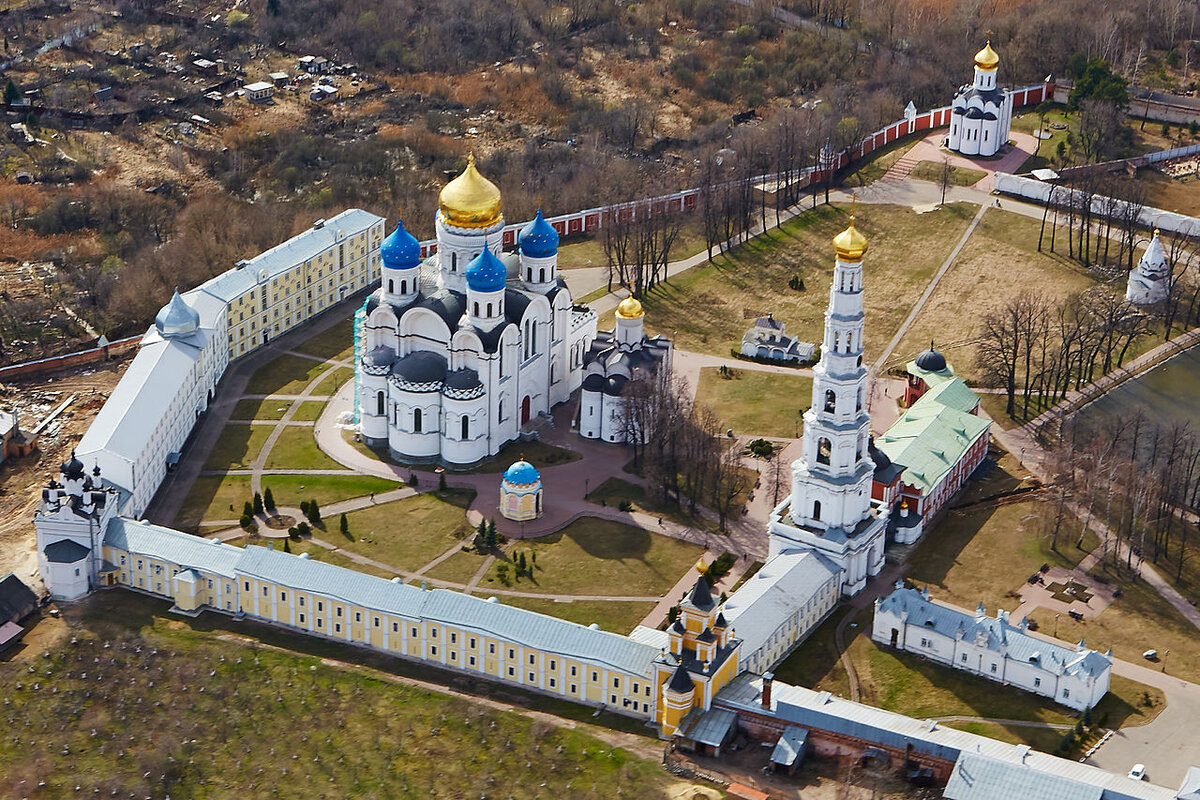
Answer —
930 149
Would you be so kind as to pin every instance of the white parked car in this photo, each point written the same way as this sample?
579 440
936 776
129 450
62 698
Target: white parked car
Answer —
1138 773
1150 655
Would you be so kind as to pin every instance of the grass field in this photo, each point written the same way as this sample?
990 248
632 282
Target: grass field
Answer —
285 375
708 308
237 447
308 411
598 557
222 712
1146 138
998 262
333 381
959 176
297 449
617 617
614 490
336 342
755 402
409 533
248 408
879 162
213 497
1171 194
588 251
538 453
316 552
460 567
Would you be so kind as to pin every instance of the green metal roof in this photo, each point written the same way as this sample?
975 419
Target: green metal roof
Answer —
929 439
953 393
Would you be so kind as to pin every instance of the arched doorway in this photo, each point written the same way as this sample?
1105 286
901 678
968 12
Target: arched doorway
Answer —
525 410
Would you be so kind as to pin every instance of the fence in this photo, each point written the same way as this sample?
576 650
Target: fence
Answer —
1102 206
593 219
79 358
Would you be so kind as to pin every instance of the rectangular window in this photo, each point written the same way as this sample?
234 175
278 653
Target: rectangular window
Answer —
532 659
574 688
1037 682
265 590
376 620
433 649
454 655
512 671
532 678
302 601
616 683
301 619
512 653
283 597
1066 692
414 632
337 612
433 633
491 648
993 669
122 561
574 671
471 642
320 622
595 676
612 699
553 665
964 658
453 638
337 627
395 627
470 661
553 683
320 606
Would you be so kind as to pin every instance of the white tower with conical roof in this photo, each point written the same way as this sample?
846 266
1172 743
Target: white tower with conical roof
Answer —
1149 281
830 508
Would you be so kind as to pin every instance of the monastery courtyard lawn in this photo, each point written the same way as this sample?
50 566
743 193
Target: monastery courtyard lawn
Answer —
617 617
286 374
335 342
756 403
211 495
222 711
708 308
598 557
406 534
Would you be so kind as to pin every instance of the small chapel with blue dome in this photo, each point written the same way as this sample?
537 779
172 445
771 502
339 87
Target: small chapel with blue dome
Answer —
521 492
460 351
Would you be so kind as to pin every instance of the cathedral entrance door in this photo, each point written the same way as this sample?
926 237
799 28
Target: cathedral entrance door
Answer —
525 410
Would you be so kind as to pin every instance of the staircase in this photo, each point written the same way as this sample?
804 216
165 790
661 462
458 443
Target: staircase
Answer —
901 169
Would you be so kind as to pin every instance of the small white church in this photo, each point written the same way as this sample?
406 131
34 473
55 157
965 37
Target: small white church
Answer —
459 352
981 112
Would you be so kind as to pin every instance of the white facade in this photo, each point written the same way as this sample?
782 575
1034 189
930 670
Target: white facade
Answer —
69 525
616 361
830 508
981 112
1149 281
767 339
992 648
780 605
462 350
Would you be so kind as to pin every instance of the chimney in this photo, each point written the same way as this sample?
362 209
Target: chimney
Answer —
768 678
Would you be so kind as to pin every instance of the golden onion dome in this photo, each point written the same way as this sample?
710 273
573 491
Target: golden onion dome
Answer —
850 244
987 58
470 200
701 567
629 308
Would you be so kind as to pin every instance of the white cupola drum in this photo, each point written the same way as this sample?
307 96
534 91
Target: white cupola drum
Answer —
538 244
486 277
400 257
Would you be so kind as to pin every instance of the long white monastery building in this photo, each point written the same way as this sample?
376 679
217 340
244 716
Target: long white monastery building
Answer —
991 647
456 353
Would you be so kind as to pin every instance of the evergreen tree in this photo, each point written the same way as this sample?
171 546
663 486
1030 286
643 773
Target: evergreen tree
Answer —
412 479
304 507
520 562
314 512
258 503
343 524
11 93
268 498
248 509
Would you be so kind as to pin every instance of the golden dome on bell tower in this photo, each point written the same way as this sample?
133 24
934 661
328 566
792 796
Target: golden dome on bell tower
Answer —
850 244
470 200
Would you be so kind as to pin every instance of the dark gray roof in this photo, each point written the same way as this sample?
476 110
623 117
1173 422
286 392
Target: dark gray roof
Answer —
593 382
681 681
380 357
66 551
701 596
515 303
17 600
421 366
448 305
931 360
489 339
768 322
462 379
615 385
969 92
376 300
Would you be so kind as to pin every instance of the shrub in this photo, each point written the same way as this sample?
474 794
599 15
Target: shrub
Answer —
314 512
343 524
294 533
412 479
303 529
796 283
246 521
304 507
625 505
719 568
442 482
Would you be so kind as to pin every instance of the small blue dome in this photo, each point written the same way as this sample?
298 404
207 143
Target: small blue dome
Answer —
177 318
486 273
401 250
538 239
521 473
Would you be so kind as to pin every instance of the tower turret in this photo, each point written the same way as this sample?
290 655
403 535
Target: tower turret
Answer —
538 243
986 62
486 276
400 255
469 220
629 322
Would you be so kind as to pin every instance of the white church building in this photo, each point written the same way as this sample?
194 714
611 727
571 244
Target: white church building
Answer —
981 112
615 361
1149 282
992 647
458 352
830 510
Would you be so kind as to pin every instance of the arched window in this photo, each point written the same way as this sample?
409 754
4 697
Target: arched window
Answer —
500 410
858 452
830 401
849 342
858 407
391 286
403 287
542 275
816 509
837 341
416 420
489 309
477 309
824 451
453 262
529 274
379 403
466 426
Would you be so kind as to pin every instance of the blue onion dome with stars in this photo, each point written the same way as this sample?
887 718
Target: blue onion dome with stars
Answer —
486 273
522 473
538 239
400 250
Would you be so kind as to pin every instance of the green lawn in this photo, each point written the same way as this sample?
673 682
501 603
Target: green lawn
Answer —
285 375
308 410
876 165
237 447
614 490
754 402
460 567
708 308
597 557
538 453
289 490
336 342
316 552
297 449
998 262
588 251
333 381
248 408
407 533
617 617
959 176
213 497
236 717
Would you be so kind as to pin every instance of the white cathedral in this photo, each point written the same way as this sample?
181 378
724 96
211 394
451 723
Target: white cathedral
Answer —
981 112
1149 281
830 510
459 351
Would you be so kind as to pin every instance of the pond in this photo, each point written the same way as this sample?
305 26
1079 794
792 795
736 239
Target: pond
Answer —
1169 393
